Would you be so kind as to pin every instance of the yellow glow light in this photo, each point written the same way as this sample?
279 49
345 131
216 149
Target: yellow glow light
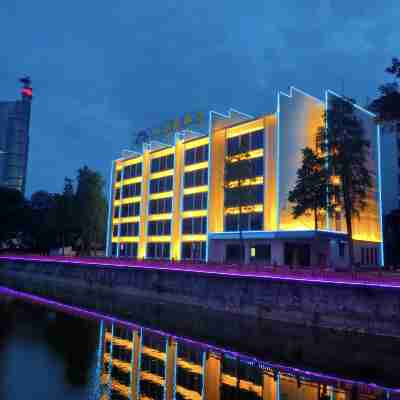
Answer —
159 239
159 217
194 213
188 394
243 384
129 181
335 180
248 156
132 161
197 166
125 220
194 238
148 376
194 368
259 180
161 153
245 127
125 239
193 143
162 195
162 174
196 189
153 353
245 210
127 200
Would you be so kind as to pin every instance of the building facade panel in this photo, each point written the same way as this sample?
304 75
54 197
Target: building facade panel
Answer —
175 201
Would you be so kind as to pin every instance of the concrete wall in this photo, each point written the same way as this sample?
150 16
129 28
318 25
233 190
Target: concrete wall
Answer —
370 310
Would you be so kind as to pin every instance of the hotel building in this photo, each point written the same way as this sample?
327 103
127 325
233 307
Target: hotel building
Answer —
169 201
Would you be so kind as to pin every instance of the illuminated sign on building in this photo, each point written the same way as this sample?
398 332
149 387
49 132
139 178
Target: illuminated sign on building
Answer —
195 121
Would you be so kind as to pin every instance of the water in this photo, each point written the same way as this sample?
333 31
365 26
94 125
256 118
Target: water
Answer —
46 353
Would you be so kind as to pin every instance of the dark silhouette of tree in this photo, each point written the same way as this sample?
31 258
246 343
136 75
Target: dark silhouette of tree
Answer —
12 211
387 105
91 209
347 151
310 193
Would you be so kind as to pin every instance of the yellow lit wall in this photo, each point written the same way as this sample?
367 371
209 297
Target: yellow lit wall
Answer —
176 220
216 190
300 116
144 205
270 207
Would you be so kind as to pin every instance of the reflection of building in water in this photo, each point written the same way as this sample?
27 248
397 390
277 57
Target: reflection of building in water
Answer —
142 365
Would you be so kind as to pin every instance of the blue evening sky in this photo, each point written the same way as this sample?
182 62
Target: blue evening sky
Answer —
103 70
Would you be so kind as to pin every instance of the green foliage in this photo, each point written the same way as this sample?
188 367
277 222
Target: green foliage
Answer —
387 105
91 208
347 152
311 189
12 212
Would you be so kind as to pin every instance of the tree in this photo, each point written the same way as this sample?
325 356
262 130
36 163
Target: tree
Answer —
387 105
67 214
12 207
91 208
347 150
311 189
43 225
239 193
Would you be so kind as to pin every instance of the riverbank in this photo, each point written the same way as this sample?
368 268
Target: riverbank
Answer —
371 308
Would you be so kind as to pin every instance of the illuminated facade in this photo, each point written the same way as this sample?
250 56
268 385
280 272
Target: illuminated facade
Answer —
14 139
169 200
140 364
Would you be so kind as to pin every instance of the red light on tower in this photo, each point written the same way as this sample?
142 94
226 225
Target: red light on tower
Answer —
26 90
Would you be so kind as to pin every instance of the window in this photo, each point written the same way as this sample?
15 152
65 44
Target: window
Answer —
118 177
194 250
115 230
248 222
196 201
161 184
159 228
261 253
129 229
196 178
197 225
196 155
130 210
254 195
128 250
158 250
162 163
131 190
160 206
116 212
132 171
117 194
246 142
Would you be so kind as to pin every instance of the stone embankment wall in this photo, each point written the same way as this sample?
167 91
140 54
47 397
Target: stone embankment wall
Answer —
362 309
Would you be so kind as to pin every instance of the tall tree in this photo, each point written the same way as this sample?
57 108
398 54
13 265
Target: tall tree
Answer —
310 193
91 204
67 214
239 193
387 105
12 205
347 151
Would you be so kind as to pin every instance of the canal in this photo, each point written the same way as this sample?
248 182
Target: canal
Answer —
50 350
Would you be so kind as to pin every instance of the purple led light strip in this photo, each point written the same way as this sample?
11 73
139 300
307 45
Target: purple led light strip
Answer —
255 275
84 313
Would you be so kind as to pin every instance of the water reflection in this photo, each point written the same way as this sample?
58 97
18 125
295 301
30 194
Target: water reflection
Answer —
142 364
87 355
